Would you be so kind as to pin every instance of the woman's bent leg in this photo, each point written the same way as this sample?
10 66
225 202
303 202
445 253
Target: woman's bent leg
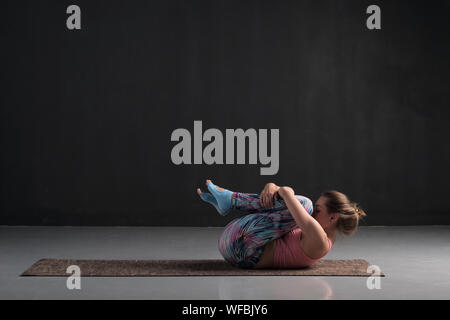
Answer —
250 203
243 240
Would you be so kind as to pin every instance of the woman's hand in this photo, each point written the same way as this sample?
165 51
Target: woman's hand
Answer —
269 193
286 191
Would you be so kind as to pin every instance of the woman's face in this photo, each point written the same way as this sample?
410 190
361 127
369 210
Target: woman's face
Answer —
321 213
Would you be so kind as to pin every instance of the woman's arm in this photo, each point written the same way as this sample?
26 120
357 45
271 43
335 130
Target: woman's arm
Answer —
316 237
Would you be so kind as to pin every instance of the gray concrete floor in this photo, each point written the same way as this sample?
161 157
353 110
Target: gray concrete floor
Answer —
416 261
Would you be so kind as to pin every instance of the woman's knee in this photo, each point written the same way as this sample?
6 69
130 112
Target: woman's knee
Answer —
306 203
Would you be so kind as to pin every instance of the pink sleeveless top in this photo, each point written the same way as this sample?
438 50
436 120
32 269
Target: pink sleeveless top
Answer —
289 253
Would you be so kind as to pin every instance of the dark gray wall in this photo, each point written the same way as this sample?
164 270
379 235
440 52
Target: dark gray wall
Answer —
87 115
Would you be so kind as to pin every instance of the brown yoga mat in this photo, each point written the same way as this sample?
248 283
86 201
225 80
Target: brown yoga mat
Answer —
211 267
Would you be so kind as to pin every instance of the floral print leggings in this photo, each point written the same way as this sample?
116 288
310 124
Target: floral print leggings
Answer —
243 240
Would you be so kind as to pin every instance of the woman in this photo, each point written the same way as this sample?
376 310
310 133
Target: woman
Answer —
281 229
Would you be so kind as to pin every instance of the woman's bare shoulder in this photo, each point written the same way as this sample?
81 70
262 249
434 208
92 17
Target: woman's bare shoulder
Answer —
313 249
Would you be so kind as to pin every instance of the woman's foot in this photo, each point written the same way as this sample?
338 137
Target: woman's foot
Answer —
219 197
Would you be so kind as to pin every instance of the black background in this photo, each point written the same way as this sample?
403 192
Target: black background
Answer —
87 114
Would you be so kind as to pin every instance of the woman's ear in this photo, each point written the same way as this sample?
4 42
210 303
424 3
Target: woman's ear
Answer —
334 216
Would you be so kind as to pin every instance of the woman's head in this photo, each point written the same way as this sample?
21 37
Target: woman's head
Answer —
334 209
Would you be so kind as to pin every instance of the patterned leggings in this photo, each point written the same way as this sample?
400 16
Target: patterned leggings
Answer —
243 240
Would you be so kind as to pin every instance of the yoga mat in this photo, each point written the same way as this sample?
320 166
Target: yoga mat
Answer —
183 268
